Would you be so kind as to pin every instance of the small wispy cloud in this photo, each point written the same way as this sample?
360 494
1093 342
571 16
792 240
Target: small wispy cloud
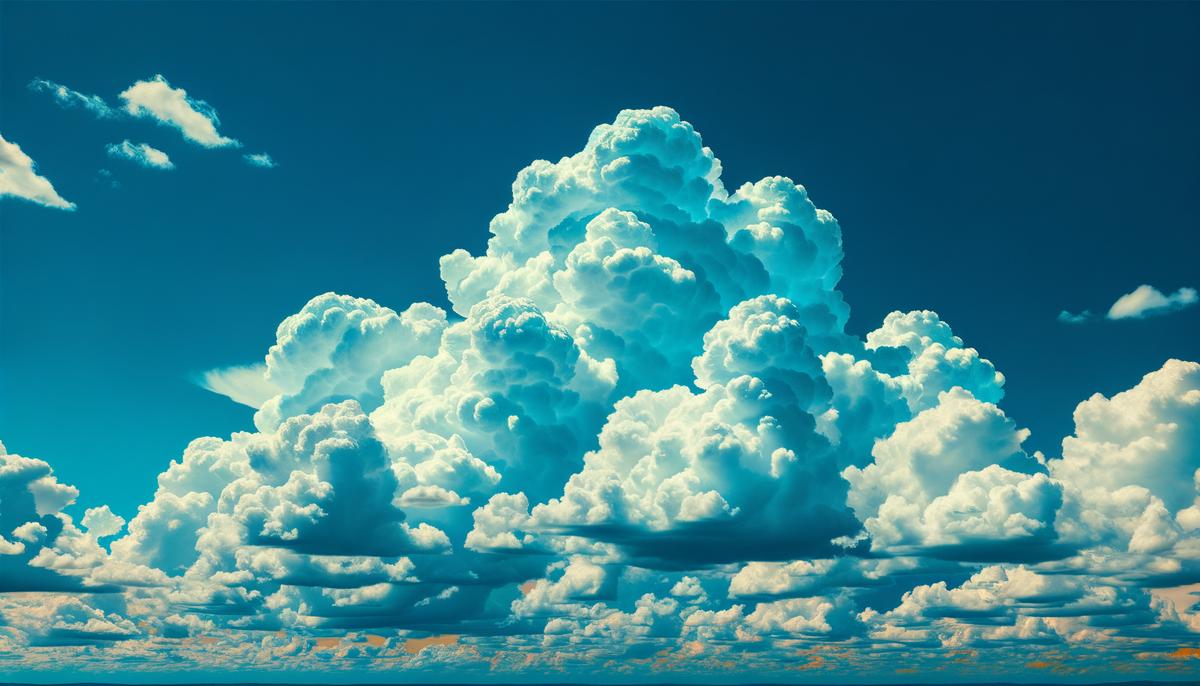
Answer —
197 120
69 98
19 178
247 385
260 159
1074 317
140 153
1142 302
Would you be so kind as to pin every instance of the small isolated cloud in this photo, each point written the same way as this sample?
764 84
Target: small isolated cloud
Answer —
1144 301
1148 301
71 98
19 179
141 153
1074 317
195 119
260 159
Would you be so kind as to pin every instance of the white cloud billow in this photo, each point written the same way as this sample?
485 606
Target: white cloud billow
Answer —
643 440
140 153
195 119
19 178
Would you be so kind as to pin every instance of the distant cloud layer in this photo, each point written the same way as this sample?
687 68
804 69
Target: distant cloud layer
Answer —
140 153
19 178
641 446
1144 301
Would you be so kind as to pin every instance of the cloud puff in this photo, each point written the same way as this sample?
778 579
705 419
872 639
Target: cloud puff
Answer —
953 481
140 153
335 347
643 443
19 179
1147 301
71 98
261 160
196 120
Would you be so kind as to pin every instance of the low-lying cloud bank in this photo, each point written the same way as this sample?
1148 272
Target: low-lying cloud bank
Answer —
641 445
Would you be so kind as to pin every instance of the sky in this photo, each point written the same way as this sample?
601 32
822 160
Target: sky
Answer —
652 424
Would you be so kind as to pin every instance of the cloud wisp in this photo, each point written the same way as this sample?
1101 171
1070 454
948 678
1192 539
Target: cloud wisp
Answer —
140 153
69 98
640 445
261 160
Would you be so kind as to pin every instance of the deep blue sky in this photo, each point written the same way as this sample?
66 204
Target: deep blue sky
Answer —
993 162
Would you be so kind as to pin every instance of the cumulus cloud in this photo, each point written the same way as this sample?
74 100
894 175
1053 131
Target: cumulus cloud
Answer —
19 179
140 153
641 443
154 98
954 481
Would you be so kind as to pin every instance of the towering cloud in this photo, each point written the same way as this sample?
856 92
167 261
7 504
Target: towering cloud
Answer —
642 442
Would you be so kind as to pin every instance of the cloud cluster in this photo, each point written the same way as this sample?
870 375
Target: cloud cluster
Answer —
641 444
154 99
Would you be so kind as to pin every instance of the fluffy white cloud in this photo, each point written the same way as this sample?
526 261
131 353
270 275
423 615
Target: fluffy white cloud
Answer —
335 347
953 481
1132 473
677 471
19 178
196 120
1146 301
140 153
1145 436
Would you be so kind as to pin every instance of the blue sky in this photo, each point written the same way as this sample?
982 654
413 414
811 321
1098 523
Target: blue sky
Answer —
997 164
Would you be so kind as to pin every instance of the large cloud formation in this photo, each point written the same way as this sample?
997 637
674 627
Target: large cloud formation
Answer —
642 444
